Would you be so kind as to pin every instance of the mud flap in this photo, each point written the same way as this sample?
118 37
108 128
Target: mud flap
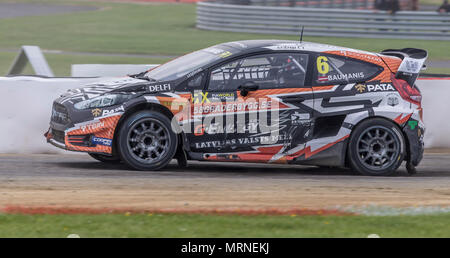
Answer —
415 146
410 168
181 157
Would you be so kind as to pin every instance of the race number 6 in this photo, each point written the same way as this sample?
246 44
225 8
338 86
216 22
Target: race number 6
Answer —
322 65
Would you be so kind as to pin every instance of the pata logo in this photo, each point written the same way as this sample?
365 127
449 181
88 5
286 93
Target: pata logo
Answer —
360 87
380 87
96 112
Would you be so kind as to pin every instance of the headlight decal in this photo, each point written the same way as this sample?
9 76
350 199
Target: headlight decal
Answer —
103 101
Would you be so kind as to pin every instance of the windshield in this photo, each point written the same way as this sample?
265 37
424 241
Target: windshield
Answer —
181 66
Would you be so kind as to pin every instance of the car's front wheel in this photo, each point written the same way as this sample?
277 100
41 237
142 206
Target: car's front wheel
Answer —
146 141
376 148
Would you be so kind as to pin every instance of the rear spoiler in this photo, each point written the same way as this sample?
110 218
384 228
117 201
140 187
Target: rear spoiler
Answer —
413 60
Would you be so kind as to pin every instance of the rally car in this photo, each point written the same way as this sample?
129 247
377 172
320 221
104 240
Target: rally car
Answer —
268 101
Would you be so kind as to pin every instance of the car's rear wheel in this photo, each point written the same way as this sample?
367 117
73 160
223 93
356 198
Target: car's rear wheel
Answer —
376 148
146 141
105 158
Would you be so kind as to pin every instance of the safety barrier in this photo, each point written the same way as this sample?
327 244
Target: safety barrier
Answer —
349 4
27 103
323 21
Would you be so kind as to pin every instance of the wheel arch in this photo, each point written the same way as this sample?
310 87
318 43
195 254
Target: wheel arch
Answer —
405 137
142 107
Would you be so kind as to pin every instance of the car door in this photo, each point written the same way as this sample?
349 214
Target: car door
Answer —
254 107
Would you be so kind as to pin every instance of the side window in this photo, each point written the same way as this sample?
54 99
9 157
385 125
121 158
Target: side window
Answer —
196 81
268 71
193 83
342 70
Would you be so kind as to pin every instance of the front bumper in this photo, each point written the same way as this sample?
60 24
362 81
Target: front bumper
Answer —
54 142
94 135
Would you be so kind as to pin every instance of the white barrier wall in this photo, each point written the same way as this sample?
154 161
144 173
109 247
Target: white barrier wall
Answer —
25 110
436 111
26 103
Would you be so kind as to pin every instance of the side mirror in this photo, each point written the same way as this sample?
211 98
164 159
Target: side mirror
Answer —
247 87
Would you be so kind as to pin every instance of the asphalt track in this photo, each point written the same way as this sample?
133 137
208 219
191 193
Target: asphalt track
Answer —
77 181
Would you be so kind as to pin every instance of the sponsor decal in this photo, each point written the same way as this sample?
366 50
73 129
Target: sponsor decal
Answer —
199 130
250 127
214 50
58 116
322 65
392 100
189 75
360 87
225 96
217 128
379 87
242 45
374 87
348 76
256 140
93 126
112 111
322 78
412 124
365 57
225 54
299 118
410 65
174 105
96 112
228 157
101 141
159 87
217 51
232 107
200 97
208 97
287 46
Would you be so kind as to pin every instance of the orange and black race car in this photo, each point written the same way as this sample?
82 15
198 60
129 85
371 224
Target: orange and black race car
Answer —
266 101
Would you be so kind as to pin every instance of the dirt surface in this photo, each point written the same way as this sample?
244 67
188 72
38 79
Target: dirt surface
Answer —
76 181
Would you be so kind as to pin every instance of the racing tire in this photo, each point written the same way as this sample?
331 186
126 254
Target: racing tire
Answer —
376 148
105 158
146 141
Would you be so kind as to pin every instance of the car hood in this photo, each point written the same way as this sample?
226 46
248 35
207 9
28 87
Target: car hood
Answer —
122 84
